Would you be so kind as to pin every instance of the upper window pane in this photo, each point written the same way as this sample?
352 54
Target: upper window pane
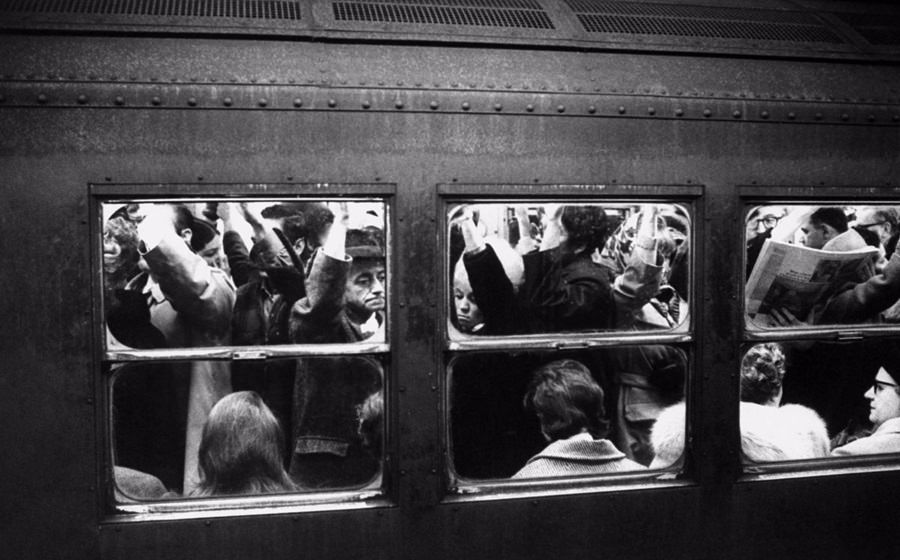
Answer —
821 265
260 272
540 267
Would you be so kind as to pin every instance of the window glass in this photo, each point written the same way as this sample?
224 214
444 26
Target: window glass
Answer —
219 273
541 267
816 399
208 428
550 414
823 264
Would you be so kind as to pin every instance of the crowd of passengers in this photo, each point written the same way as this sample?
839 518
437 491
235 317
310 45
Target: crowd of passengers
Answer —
173 280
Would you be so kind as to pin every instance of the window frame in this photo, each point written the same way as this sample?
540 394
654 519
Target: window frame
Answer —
382 491
686 337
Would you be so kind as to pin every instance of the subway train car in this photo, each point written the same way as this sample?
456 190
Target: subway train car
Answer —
485 279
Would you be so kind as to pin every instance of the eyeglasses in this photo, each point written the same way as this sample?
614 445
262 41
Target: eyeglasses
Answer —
769 220
879 386
867 226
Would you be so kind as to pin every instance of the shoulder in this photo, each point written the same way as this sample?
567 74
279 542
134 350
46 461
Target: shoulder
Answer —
667 435
770 433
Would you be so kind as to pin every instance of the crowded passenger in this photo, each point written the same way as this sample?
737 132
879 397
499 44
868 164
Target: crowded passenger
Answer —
769 431
344 302
240 451
190 303
569 405
884 414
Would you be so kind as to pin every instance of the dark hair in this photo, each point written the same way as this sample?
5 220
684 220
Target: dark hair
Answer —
125 234
870 237
567 400
202 232
586 226
762 372
365 243
240 449
307 221
830 215
183 219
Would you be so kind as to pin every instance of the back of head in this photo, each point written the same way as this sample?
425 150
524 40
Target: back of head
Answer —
240 449
202 232
586 226
830 215
762 373
365 243
567 400
371 417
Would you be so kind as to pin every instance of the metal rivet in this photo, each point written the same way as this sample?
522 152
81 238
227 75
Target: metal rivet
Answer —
560 108
263 102
792 115
736 114
895 118
707 113
332 103
818 116
192 101
679 112
82 99
651 111
119 100
434 105
398 104
41 98
592 109
845 117
466 106
298 102
227 101
498 107
764 114
621 110
366 104
529 108
156 101
871 118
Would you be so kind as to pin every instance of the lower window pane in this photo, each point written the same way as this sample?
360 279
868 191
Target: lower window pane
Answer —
540 414
203 428
808 400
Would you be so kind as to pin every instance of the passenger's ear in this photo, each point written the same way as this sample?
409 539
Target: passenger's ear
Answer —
186 234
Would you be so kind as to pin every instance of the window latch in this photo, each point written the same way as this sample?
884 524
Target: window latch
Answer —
249 355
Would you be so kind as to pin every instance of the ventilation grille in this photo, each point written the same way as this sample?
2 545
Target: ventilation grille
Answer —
482 13
237 9
700 21
877 30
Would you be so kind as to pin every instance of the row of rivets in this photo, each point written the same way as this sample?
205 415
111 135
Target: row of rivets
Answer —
82 99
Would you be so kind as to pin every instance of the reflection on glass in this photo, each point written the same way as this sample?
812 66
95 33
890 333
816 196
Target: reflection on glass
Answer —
546 267
276 426
819 265
534 415
214 273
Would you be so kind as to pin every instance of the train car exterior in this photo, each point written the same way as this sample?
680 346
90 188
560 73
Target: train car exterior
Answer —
416 109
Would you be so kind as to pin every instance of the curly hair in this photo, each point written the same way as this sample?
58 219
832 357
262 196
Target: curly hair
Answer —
567 400
123 232
586 226
762 373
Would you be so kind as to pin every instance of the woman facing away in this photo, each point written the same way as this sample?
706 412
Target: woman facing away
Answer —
569 404
769 431
240 449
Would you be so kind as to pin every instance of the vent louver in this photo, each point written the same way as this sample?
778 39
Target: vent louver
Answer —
482 13
700 21
237 9
877 30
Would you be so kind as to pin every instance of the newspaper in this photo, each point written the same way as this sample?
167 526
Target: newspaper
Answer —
796 278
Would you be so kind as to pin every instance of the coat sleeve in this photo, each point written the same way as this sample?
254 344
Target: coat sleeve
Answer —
493 290
316 317
865 300
238 257
204 296
634 288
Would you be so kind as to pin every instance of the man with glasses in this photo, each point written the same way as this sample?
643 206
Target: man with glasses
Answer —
884 413
760 223
882 220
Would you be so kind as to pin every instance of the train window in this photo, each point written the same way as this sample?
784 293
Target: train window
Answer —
816 399
548 268
545 414
246 346
815 265
566 328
